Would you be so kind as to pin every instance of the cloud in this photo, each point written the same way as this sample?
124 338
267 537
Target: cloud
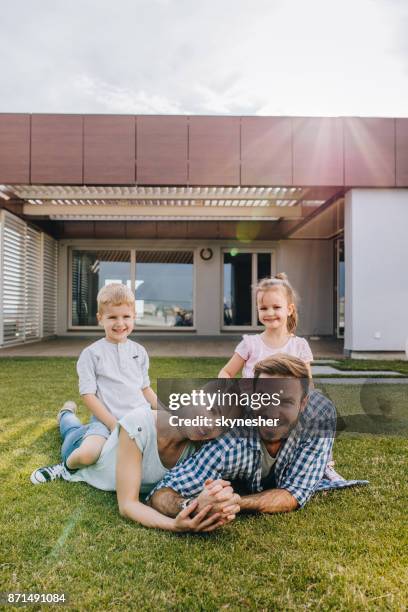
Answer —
122 99
223 57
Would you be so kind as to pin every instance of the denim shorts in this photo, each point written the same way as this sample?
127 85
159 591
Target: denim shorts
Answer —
97 428
73 432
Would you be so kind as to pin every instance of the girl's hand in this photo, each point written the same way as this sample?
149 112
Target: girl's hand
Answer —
199 523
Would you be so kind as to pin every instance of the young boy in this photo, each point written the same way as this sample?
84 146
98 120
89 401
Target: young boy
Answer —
113 379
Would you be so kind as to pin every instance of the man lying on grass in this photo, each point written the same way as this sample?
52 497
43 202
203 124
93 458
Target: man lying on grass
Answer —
282 466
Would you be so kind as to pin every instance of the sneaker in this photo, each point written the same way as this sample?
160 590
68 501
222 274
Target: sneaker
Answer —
50 472
67 407
330 473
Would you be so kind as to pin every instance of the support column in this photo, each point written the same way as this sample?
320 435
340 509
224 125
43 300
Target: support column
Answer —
207 281
376 252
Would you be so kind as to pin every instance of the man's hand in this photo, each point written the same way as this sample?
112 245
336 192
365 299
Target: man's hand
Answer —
221 497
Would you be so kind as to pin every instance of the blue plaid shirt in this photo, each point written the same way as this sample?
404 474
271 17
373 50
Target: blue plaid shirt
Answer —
299 467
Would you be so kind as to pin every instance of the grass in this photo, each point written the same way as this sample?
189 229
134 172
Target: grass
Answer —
396 365
345 551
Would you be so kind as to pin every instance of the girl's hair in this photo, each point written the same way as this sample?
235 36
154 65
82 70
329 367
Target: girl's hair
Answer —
281 280
114 294
284 366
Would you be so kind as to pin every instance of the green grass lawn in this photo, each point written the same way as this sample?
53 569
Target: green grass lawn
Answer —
346 550
396 365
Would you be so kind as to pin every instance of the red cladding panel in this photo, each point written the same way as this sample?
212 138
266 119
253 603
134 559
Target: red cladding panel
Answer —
110 229
141 229
214 151
162 145
109 150
266 151
317 151
202 229
369 150
402 152
171 229
79 229
56 149
14 148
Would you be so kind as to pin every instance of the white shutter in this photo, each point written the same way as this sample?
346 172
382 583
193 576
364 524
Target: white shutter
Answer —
13 278
20 280
50 275
32 284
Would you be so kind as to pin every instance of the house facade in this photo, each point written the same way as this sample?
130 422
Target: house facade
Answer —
191 212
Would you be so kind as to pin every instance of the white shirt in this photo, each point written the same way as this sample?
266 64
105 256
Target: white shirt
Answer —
141 427
115 373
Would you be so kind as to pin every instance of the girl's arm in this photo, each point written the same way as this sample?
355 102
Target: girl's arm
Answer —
309 369
128 479
231 369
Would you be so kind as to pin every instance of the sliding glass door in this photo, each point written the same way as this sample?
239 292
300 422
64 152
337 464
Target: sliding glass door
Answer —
241 272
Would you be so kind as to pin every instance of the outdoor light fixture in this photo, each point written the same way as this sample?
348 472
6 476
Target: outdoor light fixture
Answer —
206 254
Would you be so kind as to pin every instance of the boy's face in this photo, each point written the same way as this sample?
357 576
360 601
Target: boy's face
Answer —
117 321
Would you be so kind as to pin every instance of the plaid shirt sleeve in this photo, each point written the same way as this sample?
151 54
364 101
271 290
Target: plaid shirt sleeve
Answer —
226 457
306 453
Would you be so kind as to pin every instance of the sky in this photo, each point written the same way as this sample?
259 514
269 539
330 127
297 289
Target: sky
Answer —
224 57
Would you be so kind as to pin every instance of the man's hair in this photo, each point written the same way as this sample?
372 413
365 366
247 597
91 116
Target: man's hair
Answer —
284 366
114 294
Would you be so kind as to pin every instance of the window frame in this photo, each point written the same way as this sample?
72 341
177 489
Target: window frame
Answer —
133 265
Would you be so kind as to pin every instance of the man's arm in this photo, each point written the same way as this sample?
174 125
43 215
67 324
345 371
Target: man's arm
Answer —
304 458
270 502
216 493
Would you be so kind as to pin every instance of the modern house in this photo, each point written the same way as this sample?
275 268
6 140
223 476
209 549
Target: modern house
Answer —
191 211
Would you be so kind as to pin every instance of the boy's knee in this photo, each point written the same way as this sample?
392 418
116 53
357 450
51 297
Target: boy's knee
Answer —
88 456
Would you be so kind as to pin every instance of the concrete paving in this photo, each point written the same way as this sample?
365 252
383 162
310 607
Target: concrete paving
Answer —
174 345
346 380
326 369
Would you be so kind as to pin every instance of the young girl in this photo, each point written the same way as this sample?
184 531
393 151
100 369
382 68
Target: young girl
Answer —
276 302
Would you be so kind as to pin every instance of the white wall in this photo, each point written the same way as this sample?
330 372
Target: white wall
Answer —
309 266
376 256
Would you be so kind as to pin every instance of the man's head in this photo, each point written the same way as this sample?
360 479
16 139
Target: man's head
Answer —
116 311
289 377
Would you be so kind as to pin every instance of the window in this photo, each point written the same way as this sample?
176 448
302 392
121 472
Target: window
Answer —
92 270
241 272
164 288
163 285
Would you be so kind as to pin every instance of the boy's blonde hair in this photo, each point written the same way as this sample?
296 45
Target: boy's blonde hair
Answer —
281 280
284 366
114 294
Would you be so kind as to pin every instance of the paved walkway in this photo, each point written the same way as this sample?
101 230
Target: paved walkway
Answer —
347 380
176 345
